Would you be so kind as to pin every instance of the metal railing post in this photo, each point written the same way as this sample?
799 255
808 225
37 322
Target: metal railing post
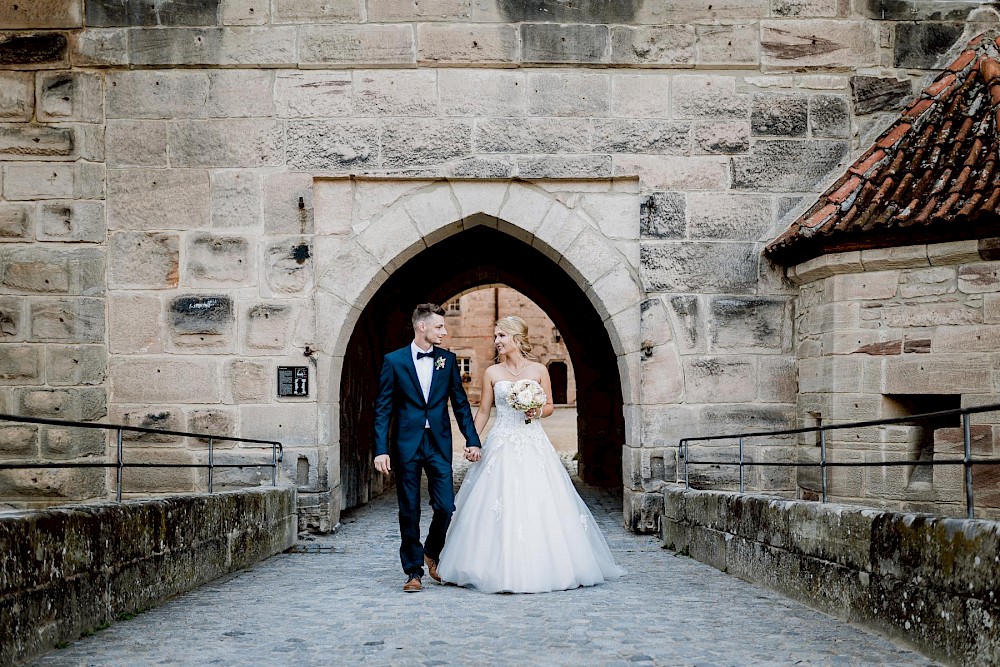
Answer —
741 464
822 461
211 462
970 509
687 464
274 464
119 468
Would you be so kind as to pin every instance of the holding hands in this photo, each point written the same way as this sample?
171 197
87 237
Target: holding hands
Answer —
473 454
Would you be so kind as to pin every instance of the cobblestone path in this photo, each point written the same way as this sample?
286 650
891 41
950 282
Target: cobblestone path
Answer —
340 603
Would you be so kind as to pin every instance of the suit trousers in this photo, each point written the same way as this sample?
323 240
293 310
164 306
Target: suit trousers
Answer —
440 487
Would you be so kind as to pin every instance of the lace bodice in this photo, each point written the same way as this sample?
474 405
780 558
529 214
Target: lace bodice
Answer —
507 415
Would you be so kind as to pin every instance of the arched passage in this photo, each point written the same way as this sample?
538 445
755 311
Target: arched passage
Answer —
480 256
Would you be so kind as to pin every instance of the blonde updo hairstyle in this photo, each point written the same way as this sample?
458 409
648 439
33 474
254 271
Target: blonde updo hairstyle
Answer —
517 329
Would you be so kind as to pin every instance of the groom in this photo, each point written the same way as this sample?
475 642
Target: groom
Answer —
414 389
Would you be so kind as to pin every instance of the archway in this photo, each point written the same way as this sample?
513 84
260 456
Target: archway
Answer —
560 382
475 257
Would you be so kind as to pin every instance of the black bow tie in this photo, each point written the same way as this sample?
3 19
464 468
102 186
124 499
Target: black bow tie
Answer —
421 355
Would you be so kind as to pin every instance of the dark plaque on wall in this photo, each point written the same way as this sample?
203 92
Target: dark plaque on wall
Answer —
293 381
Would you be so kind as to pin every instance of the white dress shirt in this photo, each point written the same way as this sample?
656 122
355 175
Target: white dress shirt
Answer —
425 371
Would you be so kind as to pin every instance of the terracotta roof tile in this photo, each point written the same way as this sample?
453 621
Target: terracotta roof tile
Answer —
931 176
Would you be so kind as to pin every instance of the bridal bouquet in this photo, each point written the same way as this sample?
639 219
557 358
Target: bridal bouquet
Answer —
526 395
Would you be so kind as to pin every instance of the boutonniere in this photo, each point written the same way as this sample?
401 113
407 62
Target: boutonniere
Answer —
439 363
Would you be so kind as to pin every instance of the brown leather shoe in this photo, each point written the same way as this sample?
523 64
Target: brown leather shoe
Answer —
432 568
412 584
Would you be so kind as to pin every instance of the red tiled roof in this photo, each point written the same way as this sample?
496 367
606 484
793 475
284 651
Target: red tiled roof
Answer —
931 177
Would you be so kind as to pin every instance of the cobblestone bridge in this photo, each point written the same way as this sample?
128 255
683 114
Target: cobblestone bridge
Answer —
337 601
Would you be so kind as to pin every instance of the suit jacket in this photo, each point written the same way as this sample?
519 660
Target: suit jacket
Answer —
400 396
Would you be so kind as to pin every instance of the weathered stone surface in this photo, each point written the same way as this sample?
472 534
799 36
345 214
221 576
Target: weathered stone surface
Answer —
662 216
407 143
236 196
18 440
704 96
158 199
168 380
218 260
787 166
640 96
289 264
75 404
159 418
670 266
99 47
779 115
750 324
288 203
136 143
308 94
52 270
293 424
134 324
818 43
479 168
265 46
552 44
569 94
76 365
532 135
724 137
213 421
919 45
41 14
66 96
687 319
226 143
247 381
306 11
728 45
777 379
395 93
829 116
244 12
467 44
17 96
11 316
420 10
27 142
34 50
654 326
15 222
979 278
78 320
931 314
201 322
39 181
872 93
811 8
661 377
719 380
726 216
239 93
105 13
642 136
21 364
268 326
653 45
339 146
666 172
570 166
473 92
143 260
927 374
70 221
357 45
151 94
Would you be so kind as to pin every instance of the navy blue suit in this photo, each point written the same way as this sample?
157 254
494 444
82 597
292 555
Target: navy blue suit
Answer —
413 448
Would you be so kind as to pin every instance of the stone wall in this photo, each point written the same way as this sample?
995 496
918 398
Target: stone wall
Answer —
886 333
926 581
165 253
68 571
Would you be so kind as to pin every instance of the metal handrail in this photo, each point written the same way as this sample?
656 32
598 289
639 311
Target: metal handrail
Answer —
277 451
967 461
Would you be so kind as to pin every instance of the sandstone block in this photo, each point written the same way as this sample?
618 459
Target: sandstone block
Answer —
136 143
961 373
420 10
144 260
38 181
674 173
640 95
89 180
306 11
48 270
201 322
548 43
352 274
39 50
955 252
936 281
158 199
662 215
340 146
160 418
687 316
920 45
727 45
293 424
779 115
226 143
952 441
750 324
264 46
654 326
313 94
11 317
134 324
66 96
788 166
163 480
661 377
213 421
15 222
71 221
571 166
719 380
60 443
872 93
724 137
477 44
407 143
829 116
76 365
616 214
78 320
991 308
777 379
283 214
481 93
268 326
239 93
247 381
830 375
236 196
481 168
105 13
584 94
979 278
218 260
75 404
828 265
532 135
41 14
730 217
18 440
289 265
27 142
902 257
641 136
357 45
168 380
864 286
966 339
21 364
616 292
17 96
99 47
244 12
704 96
395 93
811 8
48 485
666 45
152 94
818 43
670 266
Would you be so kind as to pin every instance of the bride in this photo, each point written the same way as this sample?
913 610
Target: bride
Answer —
520 525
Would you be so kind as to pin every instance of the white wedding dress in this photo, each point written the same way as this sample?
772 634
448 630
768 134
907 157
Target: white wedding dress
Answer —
520 526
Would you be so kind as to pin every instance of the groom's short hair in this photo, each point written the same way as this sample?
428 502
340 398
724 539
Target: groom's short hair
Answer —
425 310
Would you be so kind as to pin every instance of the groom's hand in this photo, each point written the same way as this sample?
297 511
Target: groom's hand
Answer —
473 453
382 464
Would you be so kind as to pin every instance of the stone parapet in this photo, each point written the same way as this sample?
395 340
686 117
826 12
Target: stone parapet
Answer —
67 571
923 580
